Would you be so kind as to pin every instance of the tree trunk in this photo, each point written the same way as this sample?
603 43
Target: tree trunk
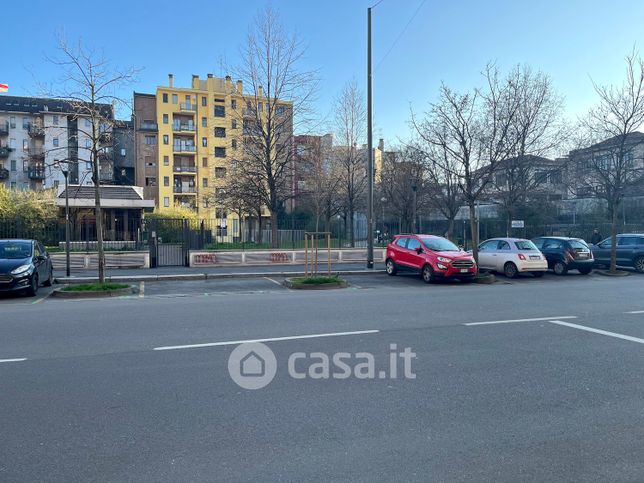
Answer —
274 237
260 237
450 228
613 237
98 213
475 232
352 234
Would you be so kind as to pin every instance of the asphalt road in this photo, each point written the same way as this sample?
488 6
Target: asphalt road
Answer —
556 397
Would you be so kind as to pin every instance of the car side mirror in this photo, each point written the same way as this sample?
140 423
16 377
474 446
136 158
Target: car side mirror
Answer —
419 250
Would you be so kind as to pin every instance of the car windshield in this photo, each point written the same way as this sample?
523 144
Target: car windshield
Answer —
14 250
578 244
439 245
525 245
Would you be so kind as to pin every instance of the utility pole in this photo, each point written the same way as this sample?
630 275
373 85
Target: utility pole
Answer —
369 149
65 170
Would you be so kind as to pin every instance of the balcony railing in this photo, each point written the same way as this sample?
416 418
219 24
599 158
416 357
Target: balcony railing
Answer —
36 154
188 106
185 148
184 169
36 131
4 128
148 126
37 173
4 173
105 137
4 152
177 127
184 189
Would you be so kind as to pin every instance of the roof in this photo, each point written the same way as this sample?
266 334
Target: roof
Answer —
37 105
111 197
632 139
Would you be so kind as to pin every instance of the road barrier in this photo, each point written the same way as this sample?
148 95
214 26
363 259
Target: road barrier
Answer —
112 260
200 258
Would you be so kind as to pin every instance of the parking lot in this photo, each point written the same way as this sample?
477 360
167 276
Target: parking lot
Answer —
536 379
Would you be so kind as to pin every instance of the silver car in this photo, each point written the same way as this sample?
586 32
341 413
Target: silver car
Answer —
512 256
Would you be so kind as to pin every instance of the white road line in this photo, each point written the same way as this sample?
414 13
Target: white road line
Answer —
274 281
635 312
522 320
271 339
141 290
599 331
13 360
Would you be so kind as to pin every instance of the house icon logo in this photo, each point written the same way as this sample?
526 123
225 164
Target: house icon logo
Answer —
252 365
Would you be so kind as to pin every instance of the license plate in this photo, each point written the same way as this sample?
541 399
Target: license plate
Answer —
464 270
583 255
535 257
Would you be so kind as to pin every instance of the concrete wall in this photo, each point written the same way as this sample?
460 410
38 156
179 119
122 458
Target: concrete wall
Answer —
279 257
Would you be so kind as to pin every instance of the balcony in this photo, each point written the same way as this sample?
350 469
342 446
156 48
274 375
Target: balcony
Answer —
4 152
105 137
4 173
180 127
148 126
184 148
37 173
179 168
37 154
4 129
188 106
36 131
184 190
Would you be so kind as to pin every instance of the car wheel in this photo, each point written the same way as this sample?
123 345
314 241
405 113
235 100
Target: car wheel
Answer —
585 271
538 274
428 274
390 267
560 268
639 264
33 288
510 270
50 280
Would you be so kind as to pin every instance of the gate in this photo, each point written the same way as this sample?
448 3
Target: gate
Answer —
170 240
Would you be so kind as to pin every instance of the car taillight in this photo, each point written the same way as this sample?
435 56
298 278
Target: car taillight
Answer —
521 256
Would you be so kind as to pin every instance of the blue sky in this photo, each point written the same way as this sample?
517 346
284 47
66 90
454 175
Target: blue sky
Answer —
571 40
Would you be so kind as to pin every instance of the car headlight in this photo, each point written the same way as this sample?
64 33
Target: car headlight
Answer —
444 260
20 270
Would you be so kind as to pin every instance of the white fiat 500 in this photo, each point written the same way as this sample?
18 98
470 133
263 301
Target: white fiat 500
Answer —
512 256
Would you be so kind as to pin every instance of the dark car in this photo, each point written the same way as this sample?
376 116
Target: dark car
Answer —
565 254
24 265
630 251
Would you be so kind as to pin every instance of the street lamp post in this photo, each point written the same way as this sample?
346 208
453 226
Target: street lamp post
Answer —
383 200
65 172
414 187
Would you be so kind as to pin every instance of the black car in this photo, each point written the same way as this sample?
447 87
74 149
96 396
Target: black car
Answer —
565 254
630 251
24 265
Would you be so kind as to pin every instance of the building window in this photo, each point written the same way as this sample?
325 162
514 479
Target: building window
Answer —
204 142
234 144
25 145
175 99
87 123
220 152
204 162
56 184
88 143
220 132
204 101
260 107
150 140
55 142
13 185
233 124
12 122
54 120
13 165
220 172
205 203
25 166
150 181
165 97
204 182
280 110
165 119
122 151
233 104
166 202
25 123
12 143
166 139
204 122
220 111
166 161
88 166
166 181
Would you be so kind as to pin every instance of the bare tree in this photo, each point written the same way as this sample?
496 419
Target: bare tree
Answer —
474 131
537 130
350 124
89 84
276 101
614 163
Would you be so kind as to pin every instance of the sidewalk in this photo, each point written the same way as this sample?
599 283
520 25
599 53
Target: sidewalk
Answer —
200 273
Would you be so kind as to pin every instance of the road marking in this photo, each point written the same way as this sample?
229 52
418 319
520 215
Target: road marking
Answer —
635 312
37 301
141 290
599 331
13 360
271 339
537 319
274 281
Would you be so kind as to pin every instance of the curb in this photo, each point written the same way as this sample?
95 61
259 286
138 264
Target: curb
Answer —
59 293
203 276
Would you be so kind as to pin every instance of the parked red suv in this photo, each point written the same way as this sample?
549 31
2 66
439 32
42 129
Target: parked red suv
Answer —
433 256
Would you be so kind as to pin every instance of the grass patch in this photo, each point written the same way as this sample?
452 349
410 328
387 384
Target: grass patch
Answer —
317 280
95 287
